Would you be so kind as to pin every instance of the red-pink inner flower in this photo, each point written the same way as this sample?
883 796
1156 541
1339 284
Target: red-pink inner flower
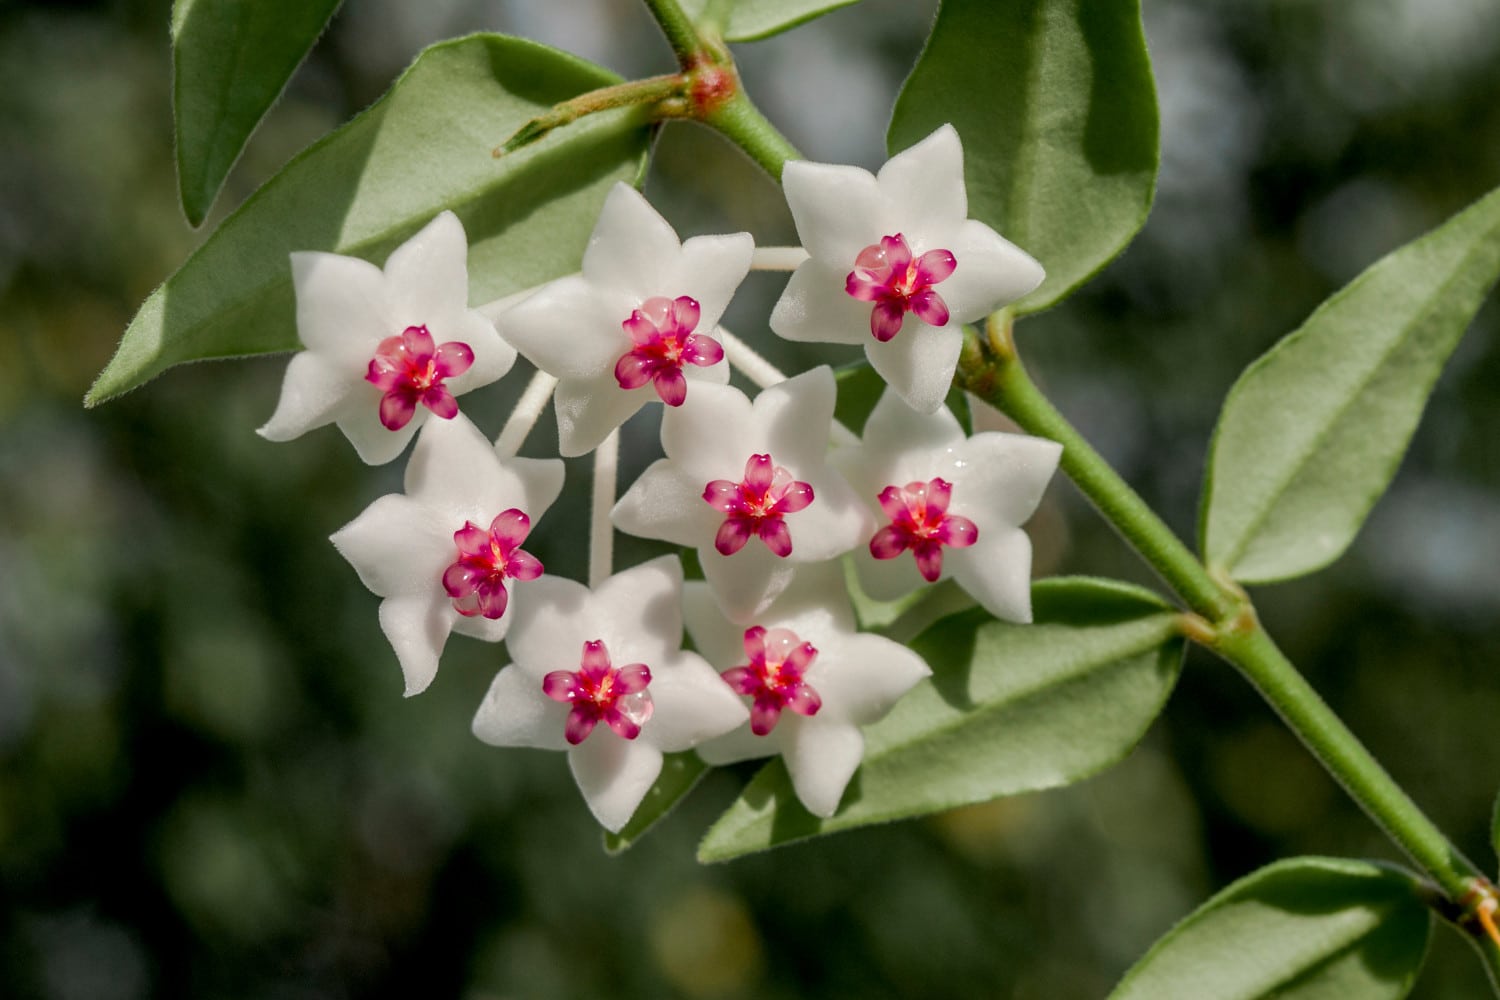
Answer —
662 331
886 274
756 506
410 370
773 677
600 693
920 521
476 582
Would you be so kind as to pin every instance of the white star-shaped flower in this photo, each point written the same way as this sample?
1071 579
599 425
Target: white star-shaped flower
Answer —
637 325
386 348
602 674
948 505
447 555
896 264
812 677
748 485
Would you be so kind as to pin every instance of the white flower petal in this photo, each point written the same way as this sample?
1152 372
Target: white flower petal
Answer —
589 408
918 363
398 546
487 629
1005 475
343 308
862 677
708 270
891 579
692 704
375 444
996 572
747 582
614 775
821 759
927 182
708 434
839 210
632 248
638 612
570 328
814 308
992 272
417 626
795 417
742 744
893 427
541 480
428 277
667 503
313 392
550 626
515 713
493 357
720 642
454 466
836 521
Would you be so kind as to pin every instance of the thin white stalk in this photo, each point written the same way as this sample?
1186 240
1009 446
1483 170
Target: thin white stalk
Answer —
524 417
601 531
764 374
777 258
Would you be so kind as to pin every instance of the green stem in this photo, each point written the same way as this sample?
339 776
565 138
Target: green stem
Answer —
1225 621
741 121
661 93
681 34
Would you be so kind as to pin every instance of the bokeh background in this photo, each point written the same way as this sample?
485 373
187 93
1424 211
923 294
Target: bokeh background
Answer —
211 786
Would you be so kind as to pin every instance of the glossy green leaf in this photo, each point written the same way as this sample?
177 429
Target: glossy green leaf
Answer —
748 20
1009 708
1057 110
230 61
1313 431
1302 929
423 147
680 774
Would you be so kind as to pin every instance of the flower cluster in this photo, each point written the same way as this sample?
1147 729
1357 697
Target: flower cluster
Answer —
772 494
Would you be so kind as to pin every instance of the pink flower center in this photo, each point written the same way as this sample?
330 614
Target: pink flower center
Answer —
773 677
662 332
920 521
476 582
409 370
886 274
600 693
756 506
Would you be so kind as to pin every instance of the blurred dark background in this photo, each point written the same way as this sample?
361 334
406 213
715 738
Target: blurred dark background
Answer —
211 786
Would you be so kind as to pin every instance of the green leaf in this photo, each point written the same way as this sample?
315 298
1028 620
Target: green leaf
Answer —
1302 929
1313 431
1057 110
230 61
423 147
1009 708
749 20
680 774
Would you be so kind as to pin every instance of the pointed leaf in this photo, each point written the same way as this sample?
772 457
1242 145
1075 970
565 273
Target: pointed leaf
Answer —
1057 110
423 147
230 61
1009 708
680 774
749 20
1313 431
1302 929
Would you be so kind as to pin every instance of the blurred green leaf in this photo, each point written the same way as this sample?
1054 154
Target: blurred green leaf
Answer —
1495 827
1301 929
1057 110
749 20
423 147
1009 708
680 774
230 61
1313 431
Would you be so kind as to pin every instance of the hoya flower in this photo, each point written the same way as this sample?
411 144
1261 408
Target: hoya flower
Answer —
636 326
896 264
448 555
602 675
811 679
748 485
386 349
948 505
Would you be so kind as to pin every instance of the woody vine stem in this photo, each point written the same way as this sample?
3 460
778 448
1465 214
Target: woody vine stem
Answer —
1219 616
